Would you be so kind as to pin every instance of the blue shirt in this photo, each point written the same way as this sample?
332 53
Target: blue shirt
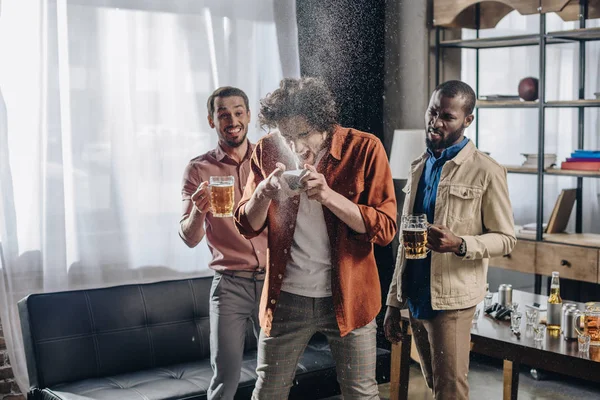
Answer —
418 272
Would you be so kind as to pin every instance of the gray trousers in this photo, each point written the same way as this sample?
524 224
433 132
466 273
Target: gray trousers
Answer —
233 301
295 320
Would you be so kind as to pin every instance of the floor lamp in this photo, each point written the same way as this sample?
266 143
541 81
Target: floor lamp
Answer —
407 145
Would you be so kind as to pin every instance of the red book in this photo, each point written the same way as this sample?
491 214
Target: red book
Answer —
581 165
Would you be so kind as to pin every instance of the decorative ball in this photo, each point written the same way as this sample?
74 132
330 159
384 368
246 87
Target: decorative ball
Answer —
528 89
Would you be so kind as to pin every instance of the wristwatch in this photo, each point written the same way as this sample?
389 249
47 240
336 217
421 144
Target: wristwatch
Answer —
463 248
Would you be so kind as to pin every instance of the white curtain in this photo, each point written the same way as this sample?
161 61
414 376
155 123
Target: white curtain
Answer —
506 133
103 103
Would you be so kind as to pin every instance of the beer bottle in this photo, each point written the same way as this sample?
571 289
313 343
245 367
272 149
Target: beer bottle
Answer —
554 305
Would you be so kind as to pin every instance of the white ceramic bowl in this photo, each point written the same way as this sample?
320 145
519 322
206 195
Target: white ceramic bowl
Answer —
531 160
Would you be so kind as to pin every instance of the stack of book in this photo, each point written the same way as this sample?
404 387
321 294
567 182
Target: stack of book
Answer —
583 160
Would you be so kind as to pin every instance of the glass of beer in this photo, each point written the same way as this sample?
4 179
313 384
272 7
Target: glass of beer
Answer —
221 196
414 236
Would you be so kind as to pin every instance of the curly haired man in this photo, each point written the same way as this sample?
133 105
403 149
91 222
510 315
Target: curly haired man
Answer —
321 271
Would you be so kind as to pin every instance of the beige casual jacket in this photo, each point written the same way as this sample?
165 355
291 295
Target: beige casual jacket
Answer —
472 201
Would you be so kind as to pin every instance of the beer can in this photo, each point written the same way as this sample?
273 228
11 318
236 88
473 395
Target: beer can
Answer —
505 294
568 326
565 307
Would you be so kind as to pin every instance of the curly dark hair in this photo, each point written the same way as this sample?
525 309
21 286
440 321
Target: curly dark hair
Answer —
306 97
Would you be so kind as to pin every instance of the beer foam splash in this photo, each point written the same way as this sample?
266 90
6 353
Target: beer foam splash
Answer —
289 151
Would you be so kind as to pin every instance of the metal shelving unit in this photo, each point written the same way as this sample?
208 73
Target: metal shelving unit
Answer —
578 36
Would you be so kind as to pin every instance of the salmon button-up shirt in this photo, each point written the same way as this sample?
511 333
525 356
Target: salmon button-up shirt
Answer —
230 250
355 166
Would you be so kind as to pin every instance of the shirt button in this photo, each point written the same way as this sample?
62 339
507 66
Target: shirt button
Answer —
280 276
295 201
243 188
351 193
291 226
257 251
284 251
273 301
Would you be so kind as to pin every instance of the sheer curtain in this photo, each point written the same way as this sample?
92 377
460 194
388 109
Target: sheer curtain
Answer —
506 133
103 103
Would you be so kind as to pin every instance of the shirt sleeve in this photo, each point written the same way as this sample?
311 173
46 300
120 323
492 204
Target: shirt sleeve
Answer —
190 182
499 230
379 212
255 177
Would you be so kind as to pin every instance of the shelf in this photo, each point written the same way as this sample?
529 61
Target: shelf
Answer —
576 239
506 104
519 169
576 34
501 41
559 37
569 172
573 103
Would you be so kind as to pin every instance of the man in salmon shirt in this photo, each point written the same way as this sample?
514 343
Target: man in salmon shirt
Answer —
321 273
239 264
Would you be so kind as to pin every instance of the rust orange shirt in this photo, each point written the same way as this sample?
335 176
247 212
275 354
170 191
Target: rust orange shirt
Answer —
230 250
355 166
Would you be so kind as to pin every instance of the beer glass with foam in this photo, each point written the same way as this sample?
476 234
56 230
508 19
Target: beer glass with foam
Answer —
221 196
414 236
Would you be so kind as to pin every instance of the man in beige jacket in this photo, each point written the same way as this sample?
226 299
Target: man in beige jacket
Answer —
465 194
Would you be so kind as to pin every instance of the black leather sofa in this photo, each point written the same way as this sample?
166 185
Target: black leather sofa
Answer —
145 341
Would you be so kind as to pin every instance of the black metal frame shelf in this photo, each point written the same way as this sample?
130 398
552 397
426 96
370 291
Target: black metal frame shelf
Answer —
497 42
506 104
572 103
541 39
559 37
526 170
584 34
536 104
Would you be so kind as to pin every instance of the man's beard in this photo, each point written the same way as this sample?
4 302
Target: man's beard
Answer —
238 143
446 141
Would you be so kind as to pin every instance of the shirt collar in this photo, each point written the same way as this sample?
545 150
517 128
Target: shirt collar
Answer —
336 140
449 152
220 153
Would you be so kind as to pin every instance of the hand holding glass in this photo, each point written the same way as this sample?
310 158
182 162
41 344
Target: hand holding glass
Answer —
414 236
221 196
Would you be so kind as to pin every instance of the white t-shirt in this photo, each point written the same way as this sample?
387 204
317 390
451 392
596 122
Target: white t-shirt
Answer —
308 273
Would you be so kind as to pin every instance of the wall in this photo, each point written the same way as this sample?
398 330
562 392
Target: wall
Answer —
410 64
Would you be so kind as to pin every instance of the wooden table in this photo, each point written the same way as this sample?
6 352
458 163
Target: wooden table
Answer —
495 339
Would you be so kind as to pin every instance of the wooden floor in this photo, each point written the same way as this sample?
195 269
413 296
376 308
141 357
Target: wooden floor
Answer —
485 381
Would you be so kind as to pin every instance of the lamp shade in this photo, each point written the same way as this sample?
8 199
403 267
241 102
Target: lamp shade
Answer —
407 145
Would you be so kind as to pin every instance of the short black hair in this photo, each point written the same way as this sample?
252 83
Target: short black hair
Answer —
225 91
459 88
305 97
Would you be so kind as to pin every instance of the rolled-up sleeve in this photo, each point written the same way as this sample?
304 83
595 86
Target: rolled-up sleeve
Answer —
256 176
379 212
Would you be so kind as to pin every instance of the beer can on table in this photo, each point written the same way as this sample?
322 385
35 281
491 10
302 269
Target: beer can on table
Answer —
568 323
505 294
565 307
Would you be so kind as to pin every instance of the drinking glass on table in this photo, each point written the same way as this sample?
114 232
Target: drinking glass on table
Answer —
583 342
531 316
515 321
539 331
